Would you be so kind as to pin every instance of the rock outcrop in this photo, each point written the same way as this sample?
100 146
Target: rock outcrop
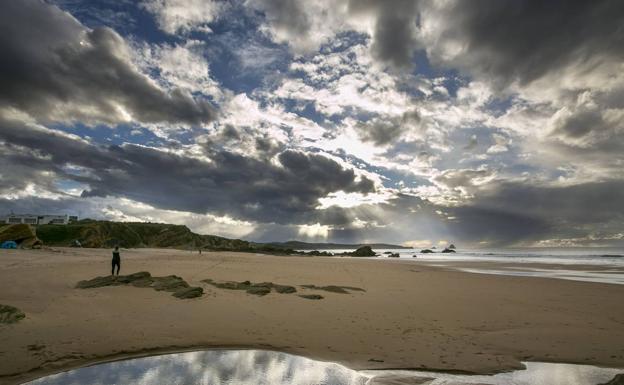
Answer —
171 283
260 289
447 250
189 292
22 234
311 296
364 251
426 251
334 288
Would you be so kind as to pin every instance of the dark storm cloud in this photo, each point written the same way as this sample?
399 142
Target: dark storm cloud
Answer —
525 39
285 191
596 123
382 130
514 213
286 15
394 38
586 203
510 214
56 69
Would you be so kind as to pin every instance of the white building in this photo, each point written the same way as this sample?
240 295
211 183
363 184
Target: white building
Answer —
32 219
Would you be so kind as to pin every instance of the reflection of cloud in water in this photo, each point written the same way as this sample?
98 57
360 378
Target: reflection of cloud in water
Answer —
536 373
211 367
251 367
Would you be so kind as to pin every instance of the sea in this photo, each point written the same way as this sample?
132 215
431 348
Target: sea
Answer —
589 264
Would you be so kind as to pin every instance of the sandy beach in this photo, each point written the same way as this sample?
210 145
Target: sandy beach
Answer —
411 315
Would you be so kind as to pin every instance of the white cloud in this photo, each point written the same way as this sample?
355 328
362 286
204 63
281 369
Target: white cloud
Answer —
314 231
183 16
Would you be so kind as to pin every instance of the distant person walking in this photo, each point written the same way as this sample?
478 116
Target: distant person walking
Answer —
116 261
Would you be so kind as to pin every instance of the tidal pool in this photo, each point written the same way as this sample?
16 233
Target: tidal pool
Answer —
251 367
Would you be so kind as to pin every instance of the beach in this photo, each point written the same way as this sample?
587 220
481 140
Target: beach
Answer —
410 314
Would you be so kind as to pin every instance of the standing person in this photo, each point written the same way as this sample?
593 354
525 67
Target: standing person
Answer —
116 261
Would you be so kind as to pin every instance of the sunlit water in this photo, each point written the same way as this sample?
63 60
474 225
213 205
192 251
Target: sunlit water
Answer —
247 367
605 265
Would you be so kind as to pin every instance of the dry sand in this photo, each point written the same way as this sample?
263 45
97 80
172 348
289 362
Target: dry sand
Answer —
411 316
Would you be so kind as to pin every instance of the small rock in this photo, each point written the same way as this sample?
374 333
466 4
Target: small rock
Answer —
284 289
140 276
311 296
169 283
258 290
108 280
10 314
189 292
426 251
364 251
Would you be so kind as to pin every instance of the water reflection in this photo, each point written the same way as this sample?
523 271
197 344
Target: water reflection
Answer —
225 367
536 373
241 367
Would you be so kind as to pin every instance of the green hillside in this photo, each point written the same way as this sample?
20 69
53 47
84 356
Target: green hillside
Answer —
91 233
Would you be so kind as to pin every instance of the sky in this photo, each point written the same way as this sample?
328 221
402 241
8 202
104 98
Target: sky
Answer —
487 123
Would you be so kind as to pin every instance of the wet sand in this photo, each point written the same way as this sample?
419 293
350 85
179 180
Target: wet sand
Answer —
411 316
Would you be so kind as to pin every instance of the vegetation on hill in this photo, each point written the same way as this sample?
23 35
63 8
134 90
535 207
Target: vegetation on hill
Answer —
91 233
95 233
22 234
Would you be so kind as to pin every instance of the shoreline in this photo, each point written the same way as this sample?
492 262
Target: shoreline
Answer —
412 316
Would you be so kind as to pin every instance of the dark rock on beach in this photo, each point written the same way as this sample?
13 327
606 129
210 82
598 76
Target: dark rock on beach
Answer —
171 283
10 314
393 255
447 250
311 296
333 288
364 251
189 292
316 253
261 288
284 289
258 290
426 251
98 282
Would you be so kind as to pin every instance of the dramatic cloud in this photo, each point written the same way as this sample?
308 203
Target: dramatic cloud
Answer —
184 15
383 131
394 33
283 189
496 122
522 40
306 25
57 70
